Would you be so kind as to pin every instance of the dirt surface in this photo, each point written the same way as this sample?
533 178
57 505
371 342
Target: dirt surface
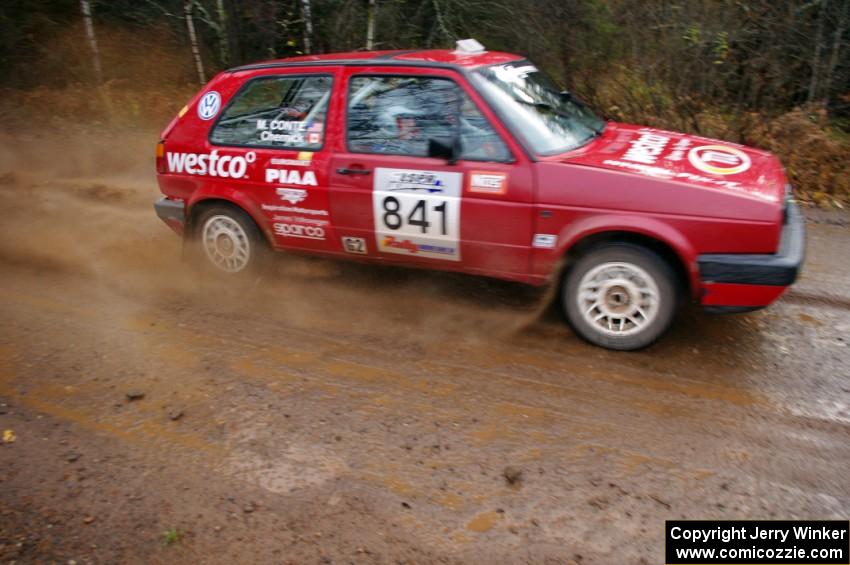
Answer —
335 413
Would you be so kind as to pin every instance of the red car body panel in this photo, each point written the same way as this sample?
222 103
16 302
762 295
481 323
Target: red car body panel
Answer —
700 198
741 295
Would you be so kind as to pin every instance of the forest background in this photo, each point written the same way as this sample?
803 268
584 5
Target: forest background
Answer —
774 74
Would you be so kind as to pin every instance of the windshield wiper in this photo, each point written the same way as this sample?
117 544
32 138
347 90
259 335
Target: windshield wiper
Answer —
546 108
598 131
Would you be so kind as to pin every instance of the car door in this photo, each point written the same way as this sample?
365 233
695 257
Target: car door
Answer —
391 200
282 118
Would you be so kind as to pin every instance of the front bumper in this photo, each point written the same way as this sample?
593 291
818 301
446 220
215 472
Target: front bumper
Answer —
172 212
737 282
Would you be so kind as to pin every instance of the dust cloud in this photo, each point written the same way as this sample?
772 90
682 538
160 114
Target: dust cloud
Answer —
80 204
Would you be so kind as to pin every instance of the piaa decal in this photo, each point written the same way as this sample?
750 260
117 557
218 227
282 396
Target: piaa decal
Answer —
290 176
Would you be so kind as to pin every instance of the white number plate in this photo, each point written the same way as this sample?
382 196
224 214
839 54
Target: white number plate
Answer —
417 212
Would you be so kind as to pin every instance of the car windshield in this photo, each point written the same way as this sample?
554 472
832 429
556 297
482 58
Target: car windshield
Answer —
549 120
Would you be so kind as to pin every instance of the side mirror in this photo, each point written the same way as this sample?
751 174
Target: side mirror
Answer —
443 148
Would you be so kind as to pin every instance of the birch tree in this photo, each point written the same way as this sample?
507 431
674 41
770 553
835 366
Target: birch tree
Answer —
813 84
840 28
85 6
223 42
370 25
193 40
218 25
308 25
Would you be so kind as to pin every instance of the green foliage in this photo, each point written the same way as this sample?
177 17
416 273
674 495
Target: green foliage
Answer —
171 537
693 34
721 48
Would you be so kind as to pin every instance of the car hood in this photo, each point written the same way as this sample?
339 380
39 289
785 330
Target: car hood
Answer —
690 159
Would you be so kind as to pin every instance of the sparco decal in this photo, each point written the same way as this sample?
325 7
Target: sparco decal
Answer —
297 230
213 164
719 159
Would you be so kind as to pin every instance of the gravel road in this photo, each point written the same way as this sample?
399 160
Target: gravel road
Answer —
337 413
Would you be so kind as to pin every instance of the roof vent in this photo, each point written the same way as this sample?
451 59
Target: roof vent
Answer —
468 47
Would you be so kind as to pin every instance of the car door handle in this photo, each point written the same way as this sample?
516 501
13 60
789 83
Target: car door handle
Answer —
354 171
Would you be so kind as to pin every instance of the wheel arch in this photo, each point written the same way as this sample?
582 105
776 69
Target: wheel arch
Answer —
660 238
197 206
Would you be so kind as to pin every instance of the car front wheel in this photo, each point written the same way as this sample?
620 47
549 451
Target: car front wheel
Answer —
620 296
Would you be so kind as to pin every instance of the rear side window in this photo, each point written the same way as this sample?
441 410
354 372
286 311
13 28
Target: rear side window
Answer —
397 115
280 112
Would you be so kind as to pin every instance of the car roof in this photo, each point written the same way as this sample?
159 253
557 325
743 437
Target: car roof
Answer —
418 57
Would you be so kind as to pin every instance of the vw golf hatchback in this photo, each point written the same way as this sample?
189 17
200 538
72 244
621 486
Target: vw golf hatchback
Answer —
474 161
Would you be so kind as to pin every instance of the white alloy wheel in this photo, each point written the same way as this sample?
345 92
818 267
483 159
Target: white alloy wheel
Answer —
620 295
226 244
618 298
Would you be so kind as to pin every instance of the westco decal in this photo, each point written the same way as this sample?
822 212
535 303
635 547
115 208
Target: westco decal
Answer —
212 164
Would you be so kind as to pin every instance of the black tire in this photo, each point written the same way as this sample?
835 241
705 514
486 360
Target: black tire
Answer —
617 324
250 252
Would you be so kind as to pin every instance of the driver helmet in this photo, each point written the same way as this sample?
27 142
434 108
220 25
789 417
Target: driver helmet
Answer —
388 121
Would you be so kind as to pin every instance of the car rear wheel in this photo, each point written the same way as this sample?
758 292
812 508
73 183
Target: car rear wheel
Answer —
231 242
620 296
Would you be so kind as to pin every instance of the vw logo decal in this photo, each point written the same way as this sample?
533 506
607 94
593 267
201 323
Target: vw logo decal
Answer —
209 105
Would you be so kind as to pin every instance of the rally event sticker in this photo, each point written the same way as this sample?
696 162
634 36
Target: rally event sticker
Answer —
417 212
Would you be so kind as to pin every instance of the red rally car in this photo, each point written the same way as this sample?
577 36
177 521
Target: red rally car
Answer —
475 161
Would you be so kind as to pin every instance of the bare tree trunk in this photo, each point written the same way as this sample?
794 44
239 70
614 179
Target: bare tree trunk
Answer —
836 48
85 5
193 40
813 84
370 25
442 24
223 38
308 25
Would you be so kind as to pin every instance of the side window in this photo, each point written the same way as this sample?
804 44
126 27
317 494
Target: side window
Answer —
282 112
398 115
